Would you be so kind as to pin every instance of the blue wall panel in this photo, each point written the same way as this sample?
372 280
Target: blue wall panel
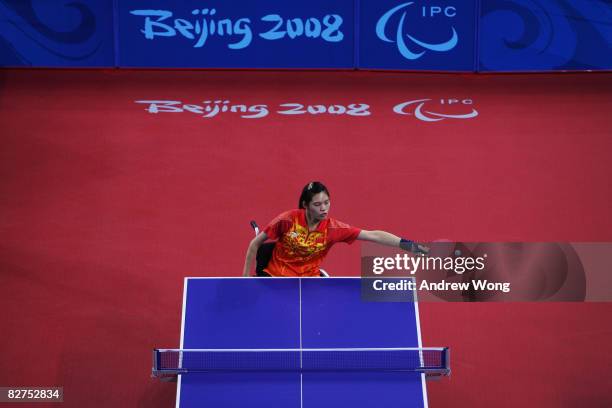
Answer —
240 33
56 33
417 35
542 35
438 35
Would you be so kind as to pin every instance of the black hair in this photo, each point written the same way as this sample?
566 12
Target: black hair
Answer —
310 190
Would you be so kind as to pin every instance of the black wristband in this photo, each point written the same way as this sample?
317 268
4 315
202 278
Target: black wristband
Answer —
406 244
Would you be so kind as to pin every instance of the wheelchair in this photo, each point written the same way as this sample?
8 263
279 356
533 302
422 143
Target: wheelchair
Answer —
264 253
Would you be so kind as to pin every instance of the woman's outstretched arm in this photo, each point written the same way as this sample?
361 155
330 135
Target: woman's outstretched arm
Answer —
388 239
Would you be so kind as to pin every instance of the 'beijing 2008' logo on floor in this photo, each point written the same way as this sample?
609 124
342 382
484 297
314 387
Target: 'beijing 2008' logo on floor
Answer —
416 47
427 110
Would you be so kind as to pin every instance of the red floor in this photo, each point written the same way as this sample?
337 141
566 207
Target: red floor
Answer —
105 207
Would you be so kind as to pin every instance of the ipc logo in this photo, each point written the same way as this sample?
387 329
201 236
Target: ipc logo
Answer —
416 47
427 114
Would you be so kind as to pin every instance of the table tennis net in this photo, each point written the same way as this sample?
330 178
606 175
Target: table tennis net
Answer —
182 361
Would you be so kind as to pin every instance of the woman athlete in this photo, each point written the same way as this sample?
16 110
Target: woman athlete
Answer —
304 236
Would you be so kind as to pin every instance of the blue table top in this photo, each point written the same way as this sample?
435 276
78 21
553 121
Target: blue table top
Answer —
271 313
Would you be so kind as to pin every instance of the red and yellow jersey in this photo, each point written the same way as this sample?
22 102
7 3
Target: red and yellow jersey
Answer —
299 252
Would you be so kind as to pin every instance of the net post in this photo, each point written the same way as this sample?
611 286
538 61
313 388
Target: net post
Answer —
447 361
154 370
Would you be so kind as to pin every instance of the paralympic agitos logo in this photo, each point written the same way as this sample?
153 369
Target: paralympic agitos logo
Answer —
414 47
423 109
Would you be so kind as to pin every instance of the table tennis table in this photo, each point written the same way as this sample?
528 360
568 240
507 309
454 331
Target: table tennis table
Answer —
295 313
